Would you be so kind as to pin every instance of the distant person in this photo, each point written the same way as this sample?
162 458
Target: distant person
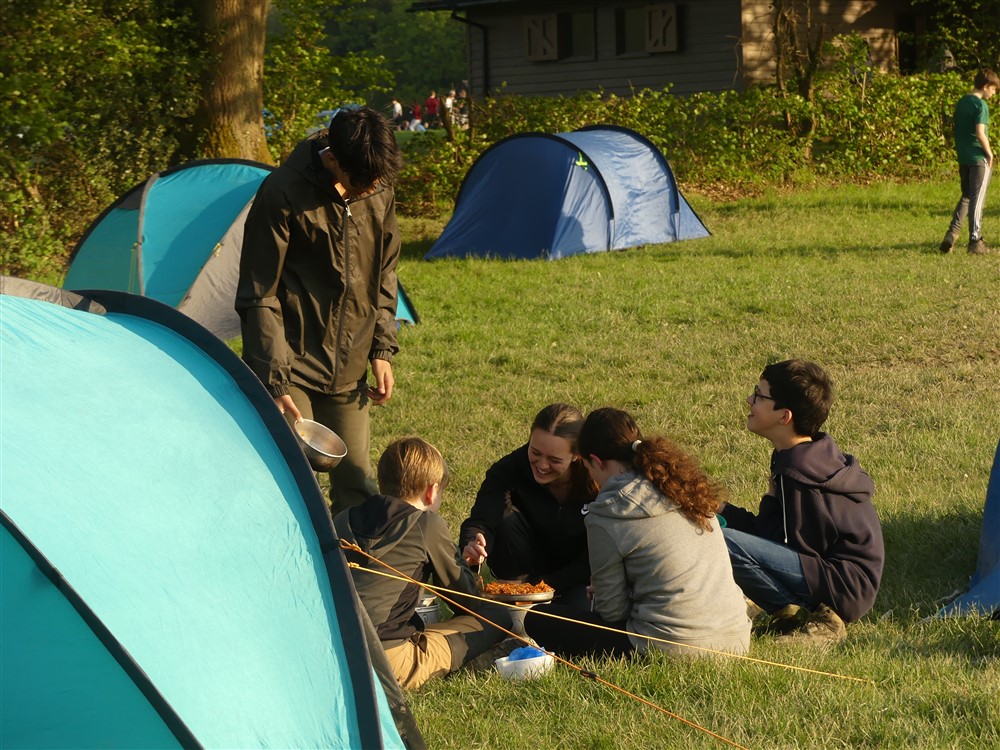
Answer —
812 555
975 162
402 529
658 559
460 109
397 113
526 522
417 123
317 286
431 106
448 108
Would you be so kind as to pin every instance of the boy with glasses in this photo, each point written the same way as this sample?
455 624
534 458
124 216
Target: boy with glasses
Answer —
812 555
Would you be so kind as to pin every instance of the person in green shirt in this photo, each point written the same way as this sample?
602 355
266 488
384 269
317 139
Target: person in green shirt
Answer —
975 161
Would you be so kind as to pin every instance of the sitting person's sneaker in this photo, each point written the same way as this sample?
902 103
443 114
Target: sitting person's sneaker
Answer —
823 626
979 247
784 621
754 610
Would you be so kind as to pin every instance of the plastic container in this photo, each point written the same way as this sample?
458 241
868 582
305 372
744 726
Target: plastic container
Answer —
524 669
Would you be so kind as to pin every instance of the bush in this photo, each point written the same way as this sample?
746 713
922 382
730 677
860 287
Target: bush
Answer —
866 125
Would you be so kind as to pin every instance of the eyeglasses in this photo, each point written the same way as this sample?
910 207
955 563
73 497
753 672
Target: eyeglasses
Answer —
757 394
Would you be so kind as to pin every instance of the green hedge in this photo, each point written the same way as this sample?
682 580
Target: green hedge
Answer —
868 126
864 126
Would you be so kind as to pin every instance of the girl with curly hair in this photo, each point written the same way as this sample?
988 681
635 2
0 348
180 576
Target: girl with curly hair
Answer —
659 564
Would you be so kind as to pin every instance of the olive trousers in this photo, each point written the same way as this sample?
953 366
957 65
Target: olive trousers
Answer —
351 481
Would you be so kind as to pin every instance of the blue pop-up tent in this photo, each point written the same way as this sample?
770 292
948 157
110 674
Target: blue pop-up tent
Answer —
169 572
177 238
983 596
540 195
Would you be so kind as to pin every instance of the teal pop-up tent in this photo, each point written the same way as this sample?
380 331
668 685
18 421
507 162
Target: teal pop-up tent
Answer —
169 573
177 238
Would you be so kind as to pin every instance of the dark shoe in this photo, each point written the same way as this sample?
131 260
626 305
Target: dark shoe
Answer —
948 243
822 627
979 247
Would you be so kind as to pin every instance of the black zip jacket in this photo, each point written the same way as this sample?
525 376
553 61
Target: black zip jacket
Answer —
317 289
819 503
561 550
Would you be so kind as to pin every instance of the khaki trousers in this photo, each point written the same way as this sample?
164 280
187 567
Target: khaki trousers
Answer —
440 649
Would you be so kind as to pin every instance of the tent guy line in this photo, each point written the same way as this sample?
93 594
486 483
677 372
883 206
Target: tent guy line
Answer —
441 591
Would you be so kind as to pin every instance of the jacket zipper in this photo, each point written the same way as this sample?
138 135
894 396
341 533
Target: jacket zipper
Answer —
345 296
784 514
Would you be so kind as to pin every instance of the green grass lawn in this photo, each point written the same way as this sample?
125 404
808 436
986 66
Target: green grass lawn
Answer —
678 334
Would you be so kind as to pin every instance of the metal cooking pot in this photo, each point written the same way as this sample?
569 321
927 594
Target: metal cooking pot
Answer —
322 446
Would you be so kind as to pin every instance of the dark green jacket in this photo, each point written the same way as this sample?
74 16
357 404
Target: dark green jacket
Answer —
317 289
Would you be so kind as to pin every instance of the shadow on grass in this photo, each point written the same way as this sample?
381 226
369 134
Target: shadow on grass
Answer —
831 249
928 559
416 249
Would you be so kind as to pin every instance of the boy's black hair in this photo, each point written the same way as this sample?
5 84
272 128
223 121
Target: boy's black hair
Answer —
364 143
986 77
803 387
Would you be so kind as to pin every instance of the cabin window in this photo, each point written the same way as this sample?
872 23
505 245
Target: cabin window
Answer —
646 29
630 31
558 36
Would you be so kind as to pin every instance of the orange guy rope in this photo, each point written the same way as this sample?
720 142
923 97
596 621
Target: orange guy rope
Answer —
542 612
402 576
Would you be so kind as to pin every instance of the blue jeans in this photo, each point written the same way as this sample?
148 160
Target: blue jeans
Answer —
769 573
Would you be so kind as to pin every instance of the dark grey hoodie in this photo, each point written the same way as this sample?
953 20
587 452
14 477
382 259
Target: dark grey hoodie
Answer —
417 544
819 503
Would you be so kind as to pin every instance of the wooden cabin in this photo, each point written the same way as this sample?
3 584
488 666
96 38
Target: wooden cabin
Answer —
548 47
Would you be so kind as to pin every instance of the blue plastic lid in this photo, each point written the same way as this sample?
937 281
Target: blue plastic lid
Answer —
525 652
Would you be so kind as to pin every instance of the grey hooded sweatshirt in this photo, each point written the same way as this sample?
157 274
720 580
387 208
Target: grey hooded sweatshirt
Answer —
658 571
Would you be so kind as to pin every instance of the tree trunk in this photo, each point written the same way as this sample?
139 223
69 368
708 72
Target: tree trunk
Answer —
229 122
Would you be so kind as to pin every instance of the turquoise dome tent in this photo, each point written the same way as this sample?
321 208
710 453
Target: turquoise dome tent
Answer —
539 195
177 238
170 575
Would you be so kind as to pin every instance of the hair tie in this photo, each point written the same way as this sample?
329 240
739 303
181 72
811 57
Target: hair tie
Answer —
635 445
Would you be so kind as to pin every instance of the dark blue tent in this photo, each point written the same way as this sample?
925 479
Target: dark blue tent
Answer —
537 195
176 238
983 596
169 573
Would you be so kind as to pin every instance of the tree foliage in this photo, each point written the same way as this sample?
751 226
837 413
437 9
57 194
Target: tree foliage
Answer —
91 95
966 28
423 51
305 76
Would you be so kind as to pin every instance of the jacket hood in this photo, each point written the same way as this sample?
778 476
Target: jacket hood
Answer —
628 496
305 160
821 464
381 526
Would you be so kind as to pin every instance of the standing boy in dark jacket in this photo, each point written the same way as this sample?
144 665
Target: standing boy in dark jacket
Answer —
816 542
402 530
317 288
